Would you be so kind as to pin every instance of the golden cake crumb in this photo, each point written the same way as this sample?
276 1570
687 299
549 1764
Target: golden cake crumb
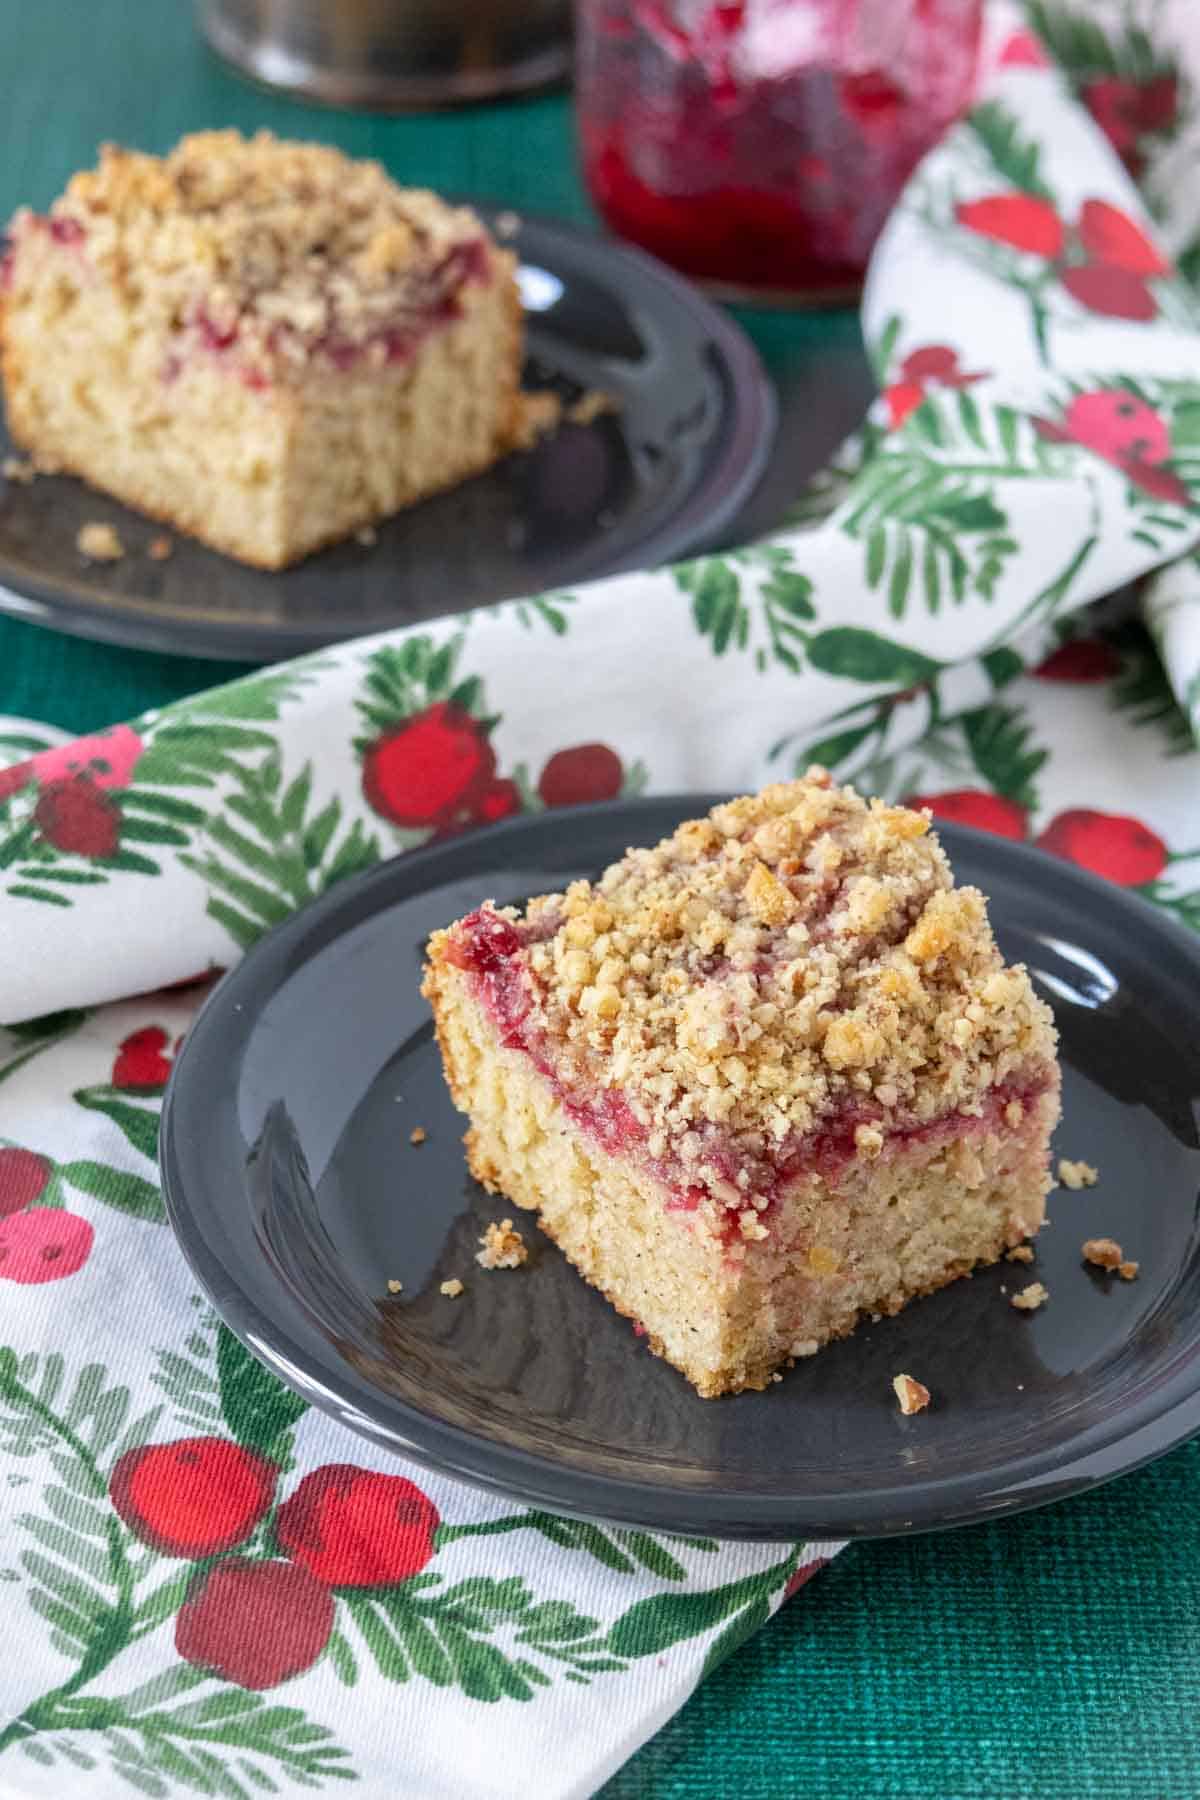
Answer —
912 1394
366 535
590 406
1031 1297
1105 1253
417 1135
503 1248
99 542
160 548
1022 1253
1077 1175
537 414
452 1288
1128 1270
394 1287
15 468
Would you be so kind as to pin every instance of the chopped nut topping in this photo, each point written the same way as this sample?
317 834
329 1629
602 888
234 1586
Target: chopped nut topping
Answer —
503 1248
1106 1253
1077 1174
417 1135
160 548
1031 1297
395 1287
1020 1253
912 1394
452 1288
99 543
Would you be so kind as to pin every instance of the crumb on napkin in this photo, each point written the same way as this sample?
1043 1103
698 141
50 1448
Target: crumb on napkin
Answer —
503 1248
912 1394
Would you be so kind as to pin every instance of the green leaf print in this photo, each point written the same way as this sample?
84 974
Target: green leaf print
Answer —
747 1622
855 654
656 1623
1144 692
137 1124
753 600
1012 155
259 1411
1085 48
998 738
125 1193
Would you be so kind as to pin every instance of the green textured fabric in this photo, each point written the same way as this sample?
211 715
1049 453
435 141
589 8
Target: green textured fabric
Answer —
1051 1656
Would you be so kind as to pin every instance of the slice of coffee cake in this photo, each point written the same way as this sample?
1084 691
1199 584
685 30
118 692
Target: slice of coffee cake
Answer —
759 1080
264 344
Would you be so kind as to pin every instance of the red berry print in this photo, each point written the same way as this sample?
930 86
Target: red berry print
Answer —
77 815
1116 293
142 1064
1020 220
23 1178
585 772
1023 51
902 398
1083 660
1110 844
254 1623
193 1497
107 758
1119 426
353 1528
803 1575
43 1245
1126 111
975 806
430 769
14 778
499 801
1110 236
1159 483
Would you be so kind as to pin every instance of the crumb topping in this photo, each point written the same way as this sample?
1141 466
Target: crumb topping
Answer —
452 1288
1031 1297
286 247
503 1248
99 542
1077 1174
797 954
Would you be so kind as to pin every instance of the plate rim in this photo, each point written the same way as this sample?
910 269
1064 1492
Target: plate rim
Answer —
85 610
528 1477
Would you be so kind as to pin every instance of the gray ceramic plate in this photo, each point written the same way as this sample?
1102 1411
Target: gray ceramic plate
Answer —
665 473
296 1196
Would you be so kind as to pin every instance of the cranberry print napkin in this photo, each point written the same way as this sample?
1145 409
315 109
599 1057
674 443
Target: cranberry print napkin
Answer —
209 1588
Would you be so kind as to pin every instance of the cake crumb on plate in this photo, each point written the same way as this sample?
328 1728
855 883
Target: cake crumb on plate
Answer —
1077 1174
160 548
452 1288
417 1135
394 1287
590 406
912 1394
15 468
1105 1253
1022 1253
503 1248
536 414
1031 1297
1128 1270
366 535
99 542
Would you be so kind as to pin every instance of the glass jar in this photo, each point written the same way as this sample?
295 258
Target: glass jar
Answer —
758 145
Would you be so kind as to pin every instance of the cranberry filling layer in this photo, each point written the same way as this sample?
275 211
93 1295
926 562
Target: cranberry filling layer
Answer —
489 949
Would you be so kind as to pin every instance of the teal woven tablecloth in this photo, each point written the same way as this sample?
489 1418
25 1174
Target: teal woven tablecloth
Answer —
1054 1655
